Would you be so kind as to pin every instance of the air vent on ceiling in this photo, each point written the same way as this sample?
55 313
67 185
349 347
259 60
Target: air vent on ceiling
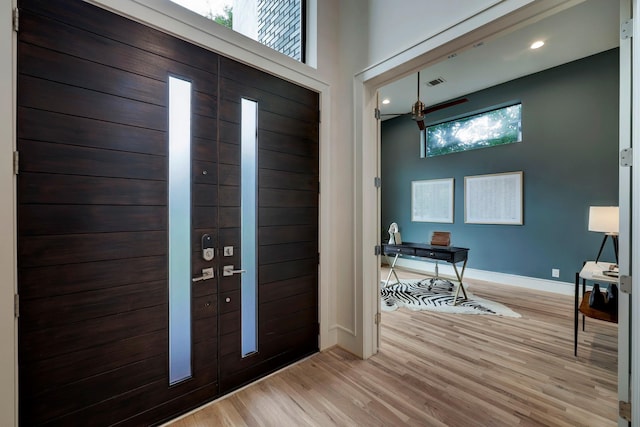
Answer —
435 82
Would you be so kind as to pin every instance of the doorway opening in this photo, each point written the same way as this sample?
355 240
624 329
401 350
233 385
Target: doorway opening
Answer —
401 144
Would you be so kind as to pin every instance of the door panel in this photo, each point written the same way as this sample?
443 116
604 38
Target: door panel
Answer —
287 211
92 217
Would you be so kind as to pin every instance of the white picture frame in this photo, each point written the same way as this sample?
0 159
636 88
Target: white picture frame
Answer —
494 198
432 200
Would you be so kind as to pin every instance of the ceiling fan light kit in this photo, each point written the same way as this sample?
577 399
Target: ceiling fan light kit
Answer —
416 110
417 113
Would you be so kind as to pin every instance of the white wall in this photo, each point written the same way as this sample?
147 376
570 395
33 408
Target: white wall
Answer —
409 44
396 27
351 39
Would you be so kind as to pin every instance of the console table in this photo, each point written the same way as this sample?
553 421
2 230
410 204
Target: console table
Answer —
591 271
450 254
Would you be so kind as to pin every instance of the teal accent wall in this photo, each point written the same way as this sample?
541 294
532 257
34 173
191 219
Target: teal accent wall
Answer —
568 154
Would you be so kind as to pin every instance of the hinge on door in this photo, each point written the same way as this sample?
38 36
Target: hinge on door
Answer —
16 19
16 305
377 250
377 182
16 162
626 157
376 113
625 284
626 29
624 410
378 319
318 258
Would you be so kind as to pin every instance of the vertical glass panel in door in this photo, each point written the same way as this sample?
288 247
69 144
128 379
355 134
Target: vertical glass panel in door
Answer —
179 230
248 256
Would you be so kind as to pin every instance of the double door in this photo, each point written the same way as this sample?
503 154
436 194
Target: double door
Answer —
141 156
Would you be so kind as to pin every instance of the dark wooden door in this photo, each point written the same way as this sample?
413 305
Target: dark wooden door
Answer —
93 219
287 215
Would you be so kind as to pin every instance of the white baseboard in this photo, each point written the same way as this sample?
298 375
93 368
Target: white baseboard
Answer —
445 269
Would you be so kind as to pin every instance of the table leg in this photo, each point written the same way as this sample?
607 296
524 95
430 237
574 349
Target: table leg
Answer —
392 270
575 316
584 285
460 285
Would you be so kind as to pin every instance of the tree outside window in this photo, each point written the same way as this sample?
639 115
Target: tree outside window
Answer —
488 129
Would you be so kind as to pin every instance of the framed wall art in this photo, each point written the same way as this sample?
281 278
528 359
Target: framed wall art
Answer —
432 200
493 199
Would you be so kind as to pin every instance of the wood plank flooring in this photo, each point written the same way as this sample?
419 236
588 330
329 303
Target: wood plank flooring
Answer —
437 369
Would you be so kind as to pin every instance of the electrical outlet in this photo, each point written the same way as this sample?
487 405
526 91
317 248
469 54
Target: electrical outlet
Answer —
555 272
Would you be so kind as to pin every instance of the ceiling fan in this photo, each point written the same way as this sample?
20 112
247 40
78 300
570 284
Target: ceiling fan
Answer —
418 110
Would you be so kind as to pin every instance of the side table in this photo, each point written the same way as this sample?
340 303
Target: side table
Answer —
591 271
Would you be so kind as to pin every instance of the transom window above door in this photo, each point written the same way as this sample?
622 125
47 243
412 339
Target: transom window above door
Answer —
279 25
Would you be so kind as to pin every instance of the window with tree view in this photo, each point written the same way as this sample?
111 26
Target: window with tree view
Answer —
276 24
496 127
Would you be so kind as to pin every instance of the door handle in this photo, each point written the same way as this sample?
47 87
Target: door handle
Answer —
207 273
228 270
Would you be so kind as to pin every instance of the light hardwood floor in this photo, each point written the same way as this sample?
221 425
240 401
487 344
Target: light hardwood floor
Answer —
446 370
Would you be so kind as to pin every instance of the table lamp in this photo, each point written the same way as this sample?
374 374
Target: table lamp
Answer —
605 219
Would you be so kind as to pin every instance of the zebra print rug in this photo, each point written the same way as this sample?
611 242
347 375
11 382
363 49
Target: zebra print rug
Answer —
437 295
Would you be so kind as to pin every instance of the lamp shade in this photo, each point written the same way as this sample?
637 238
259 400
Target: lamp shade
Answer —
604 219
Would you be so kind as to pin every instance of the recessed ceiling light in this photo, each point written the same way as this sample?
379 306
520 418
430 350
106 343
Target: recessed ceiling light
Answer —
386 101
537 45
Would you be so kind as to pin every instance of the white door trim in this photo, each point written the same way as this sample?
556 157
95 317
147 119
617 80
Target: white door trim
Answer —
624 202
635 214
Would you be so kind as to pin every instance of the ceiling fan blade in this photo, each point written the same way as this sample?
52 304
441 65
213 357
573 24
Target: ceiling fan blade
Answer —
444 105
395 114
420 124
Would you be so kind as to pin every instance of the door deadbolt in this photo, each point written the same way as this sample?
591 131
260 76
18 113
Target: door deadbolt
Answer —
207 247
